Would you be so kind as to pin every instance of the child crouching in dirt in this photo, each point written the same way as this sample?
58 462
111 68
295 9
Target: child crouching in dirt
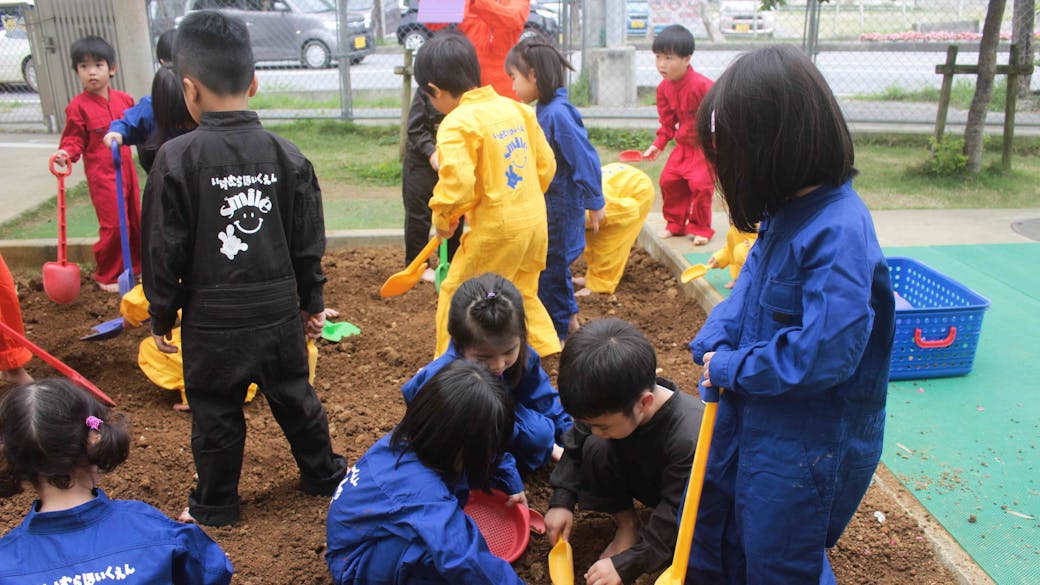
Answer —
397 517
487 326
234 236
633 439
58 438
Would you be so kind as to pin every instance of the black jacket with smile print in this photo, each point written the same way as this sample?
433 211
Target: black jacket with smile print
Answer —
232 227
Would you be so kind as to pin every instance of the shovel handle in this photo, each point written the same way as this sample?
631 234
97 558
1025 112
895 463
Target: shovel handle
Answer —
52 163
63 246
124 234
57 364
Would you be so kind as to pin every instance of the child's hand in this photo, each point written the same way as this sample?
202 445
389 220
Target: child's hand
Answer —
707 377
602 573
61 158
116 136
435 162
450 231
313 324
712 263
520 498
596 217
558 524
651 153
162 343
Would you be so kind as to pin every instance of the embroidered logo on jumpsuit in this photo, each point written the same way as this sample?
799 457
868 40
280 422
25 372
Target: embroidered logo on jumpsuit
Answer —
516 156
244 210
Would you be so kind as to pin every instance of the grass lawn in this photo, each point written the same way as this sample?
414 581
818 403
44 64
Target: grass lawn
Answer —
360 177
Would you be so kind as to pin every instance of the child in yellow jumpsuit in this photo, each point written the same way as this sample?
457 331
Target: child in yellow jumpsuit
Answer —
629 192
734 253
495 166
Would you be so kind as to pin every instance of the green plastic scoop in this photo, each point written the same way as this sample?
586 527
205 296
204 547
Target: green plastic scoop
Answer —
334 332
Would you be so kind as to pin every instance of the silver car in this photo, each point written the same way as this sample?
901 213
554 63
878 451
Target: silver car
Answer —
294 30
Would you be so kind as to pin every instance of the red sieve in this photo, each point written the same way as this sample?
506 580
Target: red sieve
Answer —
505 528
630 156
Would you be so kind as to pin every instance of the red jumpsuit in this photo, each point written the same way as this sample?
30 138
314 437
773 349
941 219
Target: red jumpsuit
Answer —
12 354
686 183
494 26
87 119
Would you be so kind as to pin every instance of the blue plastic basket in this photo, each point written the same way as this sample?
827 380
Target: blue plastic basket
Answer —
938 336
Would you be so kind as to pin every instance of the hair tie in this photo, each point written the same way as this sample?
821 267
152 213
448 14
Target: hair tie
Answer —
94 422
491 294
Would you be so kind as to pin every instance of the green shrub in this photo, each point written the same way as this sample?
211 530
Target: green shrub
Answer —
947 157
580 92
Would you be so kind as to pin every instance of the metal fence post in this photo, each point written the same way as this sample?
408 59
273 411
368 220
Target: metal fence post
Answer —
346 103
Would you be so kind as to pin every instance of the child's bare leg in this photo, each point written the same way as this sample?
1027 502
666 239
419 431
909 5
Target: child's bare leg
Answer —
664 234
574 324
186 517
729 284
578 280
583 292
626 535
16 376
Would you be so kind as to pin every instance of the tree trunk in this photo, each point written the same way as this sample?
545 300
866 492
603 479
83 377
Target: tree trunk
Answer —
1023 20
975 127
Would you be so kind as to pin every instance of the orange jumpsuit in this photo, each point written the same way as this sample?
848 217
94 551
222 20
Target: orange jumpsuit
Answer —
495 162
12 354
494 26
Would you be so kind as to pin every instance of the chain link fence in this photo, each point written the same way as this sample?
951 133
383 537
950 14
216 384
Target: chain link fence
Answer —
342 58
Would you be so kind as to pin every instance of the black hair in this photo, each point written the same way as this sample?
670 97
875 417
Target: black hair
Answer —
489 308
92 47
675 39
770 126
164 46
449 61
462 415
539 55
214 49
171 114
604 368
46 438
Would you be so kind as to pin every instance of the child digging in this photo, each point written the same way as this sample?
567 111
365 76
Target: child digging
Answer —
495 164
87 118
633 439
234 236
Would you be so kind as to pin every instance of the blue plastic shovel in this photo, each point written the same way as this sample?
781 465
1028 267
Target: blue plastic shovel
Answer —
114 327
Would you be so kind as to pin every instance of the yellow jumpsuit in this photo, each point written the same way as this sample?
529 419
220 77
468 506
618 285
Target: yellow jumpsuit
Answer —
735 252
629 193
496 163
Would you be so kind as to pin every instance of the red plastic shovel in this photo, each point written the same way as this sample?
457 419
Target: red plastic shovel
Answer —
630 156
61 278
57 364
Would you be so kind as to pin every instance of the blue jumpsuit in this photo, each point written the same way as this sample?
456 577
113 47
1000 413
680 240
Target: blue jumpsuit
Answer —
540 418
395 521
802 348
110 540
577 186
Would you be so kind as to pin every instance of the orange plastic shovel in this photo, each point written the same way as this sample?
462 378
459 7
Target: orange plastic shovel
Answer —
57 364
676 574
561 563
403 281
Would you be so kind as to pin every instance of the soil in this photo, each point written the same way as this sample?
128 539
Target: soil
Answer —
281 536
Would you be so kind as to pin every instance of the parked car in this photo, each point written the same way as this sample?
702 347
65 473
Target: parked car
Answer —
16 62
412 34
295 30
743 17
637 18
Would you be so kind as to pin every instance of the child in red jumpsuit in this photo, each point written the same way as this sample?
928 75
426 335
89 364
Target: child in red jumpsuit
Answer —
87 118
13 356
686 184
494 26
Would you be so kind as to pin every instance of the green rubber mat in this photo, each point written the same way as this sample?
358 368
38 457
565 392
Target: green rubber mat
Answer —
968 447
716 278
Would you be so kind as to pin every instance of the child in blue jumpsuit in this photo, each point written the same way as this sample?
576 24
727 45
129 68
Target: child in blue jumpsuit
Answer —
397 517
58 438
537 69
486 325
802 346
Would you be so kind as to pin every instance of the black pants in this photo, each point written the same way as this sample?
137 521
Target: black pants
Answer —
417 181
219 364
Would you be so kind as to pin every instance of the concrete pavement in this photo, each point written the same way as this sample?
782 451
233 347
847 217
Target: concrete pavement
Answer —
28 182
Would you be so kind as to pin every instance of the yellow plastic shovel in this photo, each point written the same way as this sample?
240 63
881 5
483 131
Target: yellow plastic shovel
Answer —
403 281
561 563
676 574
693 272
